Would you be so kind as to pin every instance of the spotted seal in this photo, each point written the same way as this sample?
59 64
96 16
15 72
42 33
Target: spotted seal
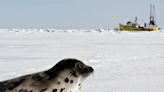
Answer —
65 76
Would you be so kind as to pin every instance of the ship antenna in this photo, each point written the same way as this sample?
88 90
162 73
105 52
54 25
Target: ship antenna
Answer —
150 10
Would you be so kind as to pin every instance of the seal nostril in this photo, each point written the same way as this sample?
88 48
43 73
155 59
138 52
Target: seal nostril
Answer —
91 69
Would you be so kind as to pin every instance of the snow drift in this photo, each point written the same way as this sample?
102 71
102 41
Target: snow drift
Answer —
123 61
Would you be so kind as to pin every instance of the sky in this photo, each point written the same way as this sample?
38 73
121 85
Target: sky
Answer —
76 14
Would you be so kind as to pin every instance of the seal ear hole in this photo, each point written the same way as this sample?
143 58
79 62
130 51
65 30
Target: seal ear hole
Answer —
78 66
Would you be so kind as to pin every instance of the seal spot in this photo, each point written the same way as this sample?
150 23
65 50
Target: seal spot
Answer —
23 90
71 81
62 89
59 82
54 90
66 80
43 90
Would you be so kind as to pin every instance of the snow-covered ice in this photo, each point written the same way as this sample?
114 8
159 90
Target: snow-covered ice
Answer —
123 61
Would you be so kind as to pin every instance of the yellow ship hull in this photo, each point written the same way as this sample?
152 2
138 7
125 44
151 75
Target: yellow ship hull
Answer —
125 28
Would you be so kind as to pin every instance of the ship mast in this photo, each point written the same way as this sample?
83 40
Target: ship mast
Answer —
155 18
152 16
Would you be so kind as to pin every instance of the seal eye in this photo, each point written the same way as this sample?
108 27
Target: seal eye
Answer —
78 66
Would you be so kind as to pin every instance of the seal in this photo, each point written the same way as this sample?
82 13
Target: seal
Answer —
66 76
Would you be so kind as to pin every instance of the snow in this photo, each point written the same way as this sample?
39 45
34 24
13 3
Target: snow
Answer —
123 61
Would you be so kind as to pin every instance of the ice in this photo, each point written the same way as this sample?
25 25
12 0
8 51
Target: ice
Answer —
123 61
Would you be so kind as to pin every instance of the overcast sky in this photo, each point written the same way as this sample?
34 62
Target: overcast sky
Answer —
76 13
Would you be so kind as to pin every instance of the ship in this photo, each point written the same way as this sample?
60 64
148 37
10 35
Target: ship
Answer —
134 26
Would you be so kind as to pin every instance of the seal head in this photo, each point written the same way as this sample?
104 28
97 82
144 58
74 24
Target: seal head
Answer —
77 68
